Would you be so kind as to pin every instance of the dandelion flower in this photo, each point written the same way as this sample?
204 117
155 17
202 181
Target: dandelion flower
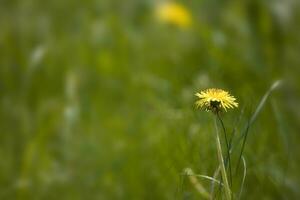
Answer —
174 13
215 100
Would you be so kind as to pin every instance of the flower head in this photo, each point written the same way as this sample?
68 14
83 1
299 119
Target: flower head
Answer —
215 100
174 13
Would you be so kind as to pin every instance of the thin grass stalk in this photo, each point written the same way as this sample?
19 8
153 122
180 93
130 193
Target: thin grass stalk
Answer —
228 148
253 118
197 185
244 177
216 174
243 147
233 133
221 162
219 188
226 160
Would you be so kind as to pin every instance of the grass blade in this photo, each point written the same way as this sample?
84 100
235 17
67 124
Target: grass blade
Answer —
221 161
244 177
216 174
197 185
254 116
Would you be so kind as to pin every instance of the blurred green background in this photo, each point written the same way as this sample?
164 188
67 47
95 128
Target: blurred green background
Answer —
97 97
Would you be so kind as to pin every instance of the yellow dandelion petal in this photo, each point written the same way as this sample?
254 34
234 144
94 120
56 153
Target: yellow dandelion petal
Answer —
174 13
215 100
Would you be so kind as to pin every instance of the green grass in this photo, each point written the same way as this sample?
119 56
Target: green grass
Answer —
97 98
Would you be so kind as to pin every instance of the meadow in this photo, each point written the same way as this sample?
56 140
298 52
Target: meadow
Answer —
97 98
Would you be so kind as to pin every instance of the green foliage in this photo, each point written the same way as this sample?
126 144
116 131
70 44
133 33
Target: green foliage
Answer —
97 98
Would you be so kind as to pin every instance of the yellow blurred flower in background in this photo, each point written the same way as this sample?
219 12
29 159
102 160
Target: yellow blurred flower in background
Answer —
174 13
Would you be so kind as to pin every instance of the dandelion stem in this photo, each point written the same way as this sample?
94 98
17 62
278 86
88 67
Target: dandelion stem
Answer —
228 148
221 161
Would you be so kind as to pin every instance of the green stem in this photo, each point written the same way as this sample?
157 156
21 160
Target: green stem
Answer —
221 161
228 149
